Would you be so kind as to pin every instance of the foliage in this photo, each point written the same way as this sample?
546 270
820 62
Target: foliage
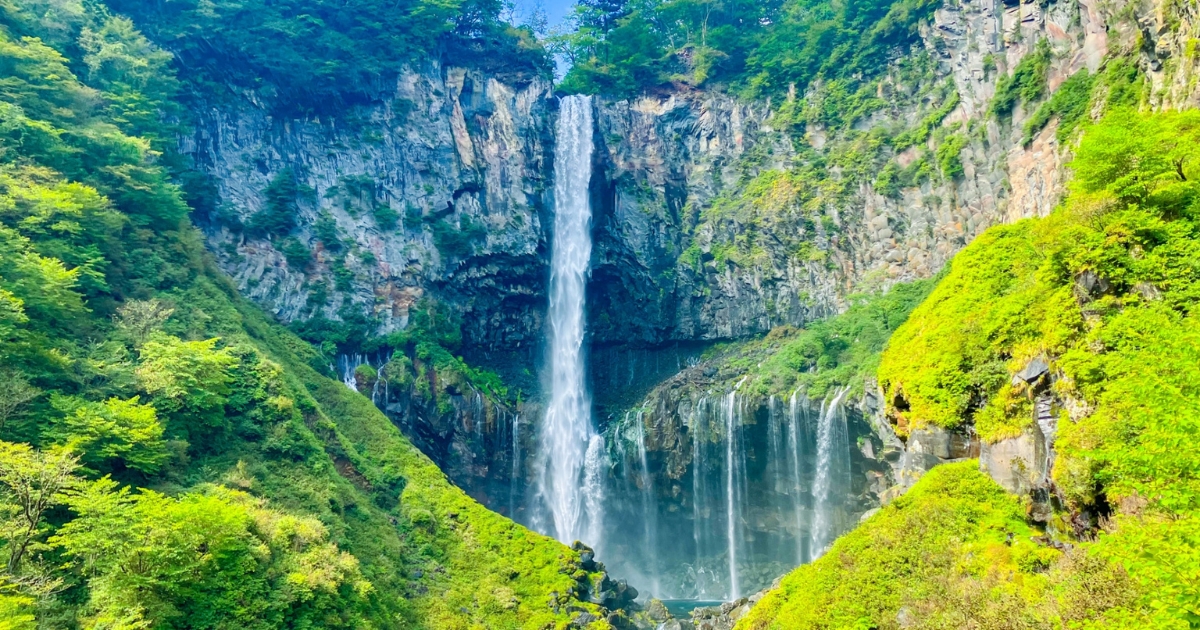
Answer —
205 560
1026 84
278 218
110 431
842 350
1069 105
278 493
624 48
1105 290
324 54
948 156
954 551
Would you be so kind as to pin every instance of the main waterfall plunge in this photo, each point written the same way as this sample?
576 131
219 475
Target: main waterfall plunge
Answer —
767 494
569 442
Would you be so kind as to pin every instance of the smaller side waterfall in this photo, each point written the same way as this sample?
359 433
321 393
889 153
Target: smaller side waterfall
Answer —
649 507
733 516
595 465
797 412
832 453
515 477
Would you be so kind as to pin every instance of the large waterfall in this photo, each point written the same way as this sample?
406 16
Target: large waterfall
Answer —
568 494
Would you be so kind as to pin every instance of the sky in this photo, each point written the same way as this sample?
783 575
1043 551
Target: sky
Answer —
556 10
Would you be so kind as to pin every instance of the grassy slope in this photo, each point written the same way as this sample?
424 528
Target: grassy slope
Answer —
1125 350
477 569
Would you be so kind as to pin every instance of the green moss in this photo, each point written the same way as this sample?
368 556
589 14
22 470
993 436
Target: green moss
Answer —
1105 288
1026 84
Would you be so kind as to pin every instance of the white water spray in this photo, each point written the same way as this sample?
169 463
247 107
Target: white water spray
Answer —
830 443
795 408
567 430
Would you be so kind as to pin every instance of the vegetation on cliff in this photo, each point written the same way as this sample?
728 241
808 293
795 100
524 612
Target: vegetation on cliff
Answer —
953 552
321 54
1103 290
624 48
168 457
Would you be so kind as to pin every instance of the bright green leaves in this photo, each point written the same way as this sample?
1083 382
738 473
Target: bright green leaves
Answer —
189 381
1148 160
32 483
208 560
1106 289
948 359
109 432
205 559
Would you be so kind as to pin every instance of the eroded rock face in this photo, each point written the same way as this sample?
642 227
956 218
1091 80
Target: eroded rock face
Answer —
438 190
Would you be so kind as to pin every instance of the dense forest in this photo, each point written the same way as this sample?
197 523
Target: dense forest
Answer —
169 459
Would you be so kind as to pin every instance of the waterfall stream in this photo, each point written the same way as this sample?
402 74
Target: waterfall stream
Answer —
567 433
831 442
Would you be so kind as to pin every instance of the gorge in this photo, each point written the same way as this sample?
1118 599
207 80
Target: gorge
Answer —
415 314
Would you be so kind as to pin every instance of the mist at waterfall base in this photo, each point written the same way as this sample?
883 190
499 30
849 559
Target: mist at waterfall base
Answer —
767 488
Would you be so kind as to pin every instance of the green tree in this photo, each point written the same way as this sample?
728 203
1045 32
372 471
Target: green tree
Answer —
111 433
190 381
206 560
31 483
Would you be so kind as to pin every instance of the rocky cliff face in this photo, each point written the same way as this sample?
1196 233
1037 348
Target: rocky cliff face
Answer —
438 191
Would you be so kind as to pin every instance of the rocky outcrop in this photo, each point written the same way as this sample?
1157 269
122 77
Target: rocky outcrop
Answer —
437 190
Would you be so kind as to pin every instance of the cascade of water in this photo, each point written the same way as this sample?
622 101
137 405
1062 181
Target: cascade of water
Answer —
795 408
515 476
699 495
830 443
347 364
593 488
732 503
567 431
649 509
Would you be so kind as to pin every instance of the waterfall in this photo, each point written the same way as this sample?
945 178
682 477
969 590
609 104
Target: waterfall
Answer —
567 430
594 466
795 408
649 508
515 476
732 503
699 501
347 364
832 453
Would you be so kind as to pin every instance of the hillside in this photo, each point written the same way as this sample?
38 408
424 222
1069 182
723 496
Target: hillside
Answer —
1101 294
170 459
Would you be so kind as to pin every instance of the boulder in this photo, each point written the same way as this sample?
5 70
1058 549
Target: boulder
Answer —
657 611
1013 463
1034 370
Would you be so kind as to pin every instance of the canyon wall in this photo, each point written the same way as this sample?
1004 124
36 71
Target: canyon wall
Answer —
440 192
